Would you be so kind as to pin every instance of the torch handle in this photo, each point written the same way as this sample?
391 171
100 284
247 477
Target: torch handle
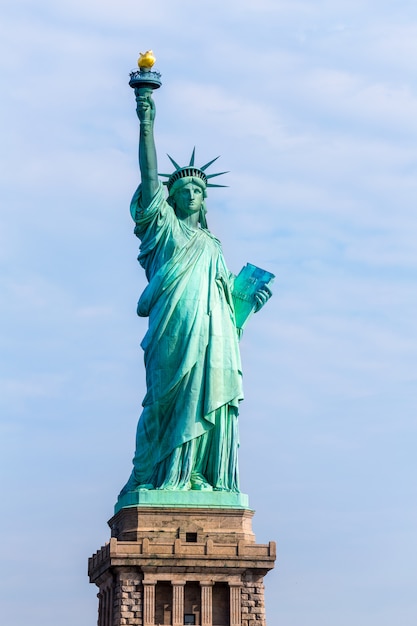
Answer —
145 108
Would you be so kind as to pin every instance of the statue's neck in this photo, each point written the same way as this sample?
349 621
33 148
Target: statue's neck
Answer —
190 220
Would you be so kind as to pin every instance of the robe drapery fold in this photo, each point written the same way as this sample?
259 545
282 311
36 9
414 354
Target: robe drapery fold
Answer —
192 360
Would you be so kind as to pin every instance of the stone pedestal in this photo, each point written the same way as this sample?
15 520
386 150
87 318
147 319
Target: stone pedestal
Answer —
181 566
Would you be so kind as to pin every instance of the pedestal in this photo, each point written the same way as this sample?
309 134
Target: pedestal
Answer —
177 565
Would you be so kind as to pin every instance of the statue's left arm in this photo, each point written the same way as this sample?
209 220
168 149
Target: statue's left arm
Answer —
250 291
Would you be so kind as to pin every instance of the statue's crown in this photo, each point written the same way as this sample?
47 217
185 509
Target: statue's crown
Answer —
192 171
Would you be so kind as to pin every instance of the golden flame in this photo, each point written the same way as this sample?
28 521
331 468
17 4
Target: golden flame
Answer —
146 60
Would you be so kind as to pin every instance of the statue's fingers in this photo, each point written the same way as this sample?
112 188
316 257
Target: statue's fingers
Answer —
259 300
265 290
262 295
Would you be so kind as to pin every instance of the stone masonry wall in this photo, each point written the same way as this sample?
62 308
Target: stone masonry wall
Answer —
128 598
253 602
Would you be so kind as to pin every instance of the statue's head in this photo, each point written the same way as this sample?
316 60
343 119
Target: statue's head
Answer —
182 181
187 196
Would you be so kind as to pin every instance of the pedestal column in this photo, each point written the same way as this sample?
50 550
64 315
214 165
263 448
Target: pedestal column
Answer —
206 603
235 605
148 603
178 603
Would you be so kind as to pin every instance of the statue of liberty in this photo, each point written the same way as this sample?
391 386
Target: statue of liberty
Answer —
187 436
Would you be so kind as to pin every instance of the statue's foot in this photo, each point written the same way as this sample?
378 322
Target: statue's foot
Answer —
199 483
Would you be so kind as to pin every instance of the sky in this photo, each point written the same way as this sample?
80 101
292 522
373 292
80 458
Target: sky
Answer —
312 106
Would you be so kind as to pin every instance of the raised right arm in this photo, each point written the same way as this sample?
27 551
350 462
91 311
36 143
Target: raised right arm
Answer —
147 152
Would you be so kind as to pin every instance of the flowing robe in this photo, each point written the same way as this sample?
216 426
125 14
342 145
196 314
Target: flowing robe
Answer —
193 369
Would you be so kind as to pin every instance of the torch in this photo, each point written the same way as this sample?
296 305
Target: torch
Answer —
144 80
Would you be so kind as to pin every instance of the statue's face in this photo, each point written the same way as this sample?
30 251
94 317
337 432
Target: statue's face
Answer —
188 199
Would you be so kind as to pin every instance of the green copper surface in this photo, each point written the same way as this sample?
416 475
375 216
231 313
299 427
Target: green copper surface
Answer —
187 436
192 499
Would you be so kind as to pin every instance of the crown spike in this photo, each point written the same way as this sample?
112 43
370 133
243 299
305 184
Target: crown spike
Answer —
192 157
174 163
204 167
213 175
190 170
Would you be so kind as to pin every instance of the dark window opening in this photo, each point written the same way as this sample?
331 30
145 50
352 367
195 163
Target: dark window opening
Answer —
189 618
190 538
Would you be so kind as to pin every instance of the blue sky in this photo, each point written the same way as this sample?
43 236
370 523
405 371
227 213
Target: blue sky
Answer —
313 109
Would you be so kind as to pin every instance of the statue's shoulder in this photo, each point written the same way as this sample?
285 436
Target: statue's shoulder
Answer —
158 203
